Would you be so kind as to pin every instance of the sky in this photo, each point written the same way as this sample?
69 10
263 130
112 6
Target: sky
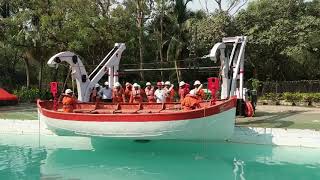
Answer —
211 4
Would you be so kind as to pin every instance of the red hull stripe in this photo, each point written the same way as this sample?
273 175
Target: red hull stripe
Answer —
143 117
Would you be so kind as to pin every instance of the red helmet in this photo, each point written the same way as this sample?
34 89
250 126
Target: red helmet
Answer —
159 83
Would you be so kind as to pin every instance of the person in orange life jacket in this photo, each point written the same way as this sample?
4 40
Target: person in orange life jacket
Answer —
168 87
118 93
69 101
191 101
127 91
106 93
199 91
183 90
160 93
137 94
149 91
95 93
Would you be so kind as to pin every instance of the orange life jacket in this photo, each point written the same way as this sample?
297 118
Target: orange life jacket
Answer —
127 94
117 95
136 96
68 104
182 93
170 97
201 95
190 102
150 94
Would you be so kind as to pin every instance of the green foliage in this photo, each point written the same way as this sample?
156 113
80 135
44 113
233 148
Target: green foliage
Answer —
293 97
284 36
31 95
255 83
272 96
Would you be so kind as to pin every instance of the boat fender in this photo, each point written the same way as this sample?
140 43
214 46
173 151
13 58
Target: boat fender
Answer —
249 109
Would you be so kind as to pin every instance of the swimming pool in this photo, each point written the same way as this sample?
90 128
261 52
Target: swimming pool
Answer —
53 157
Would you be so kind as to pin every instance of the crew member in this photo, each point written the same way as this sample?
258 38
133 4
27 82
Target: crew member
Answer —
68 101
183 90
199 91
149 90
118 93
160 94
169 91
106 93
136 94
191 101
95 94
127 91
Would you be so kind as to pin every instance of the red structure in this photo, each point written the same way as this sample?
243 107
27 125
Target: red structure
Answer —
213 86
7 98
54 92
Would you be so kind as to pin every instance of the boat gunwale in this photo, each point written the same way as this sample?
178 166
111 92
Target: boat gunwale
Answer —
140 117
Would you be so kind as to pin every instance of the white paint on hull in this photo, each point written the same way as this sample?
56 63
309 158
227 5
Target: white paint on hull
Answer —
216 127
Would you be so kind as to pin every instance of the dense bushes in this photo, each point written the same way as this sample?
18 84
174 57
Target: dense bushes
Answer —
31 94
293 98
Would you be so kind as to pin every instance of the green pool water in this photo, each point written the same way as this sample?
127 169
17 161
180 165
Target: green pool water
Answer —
51 158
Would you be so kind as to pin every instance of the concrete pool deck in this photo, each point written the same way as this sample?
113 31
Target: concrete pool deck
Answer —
272 125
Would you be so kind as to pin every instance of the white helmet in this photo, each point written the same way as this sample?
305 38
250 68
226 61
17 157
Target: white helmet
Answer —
106 83
167 83
162 83
128 84
117 84
148 84
182 83
197 82
192 92
97 85
136 85
68 91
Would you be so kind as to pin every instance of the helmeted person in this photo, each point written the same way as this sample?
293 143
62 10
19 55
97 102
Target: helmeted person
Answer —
191 101
95 93
137 94
127 91
106 93
149 91
160 93
118 93
199 91
69 101
168 87
183 90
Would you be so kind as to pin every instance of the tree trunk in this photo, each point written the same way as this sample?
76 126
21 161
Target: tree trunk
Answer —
161 38
140 27
27 72
40 76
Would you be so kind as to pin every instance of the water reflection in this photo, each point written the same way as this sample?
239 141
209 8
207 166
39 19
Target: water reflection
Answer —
157 160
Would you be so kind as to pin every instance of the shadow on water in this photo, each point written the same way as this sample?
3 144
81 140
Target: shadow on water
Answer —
273 119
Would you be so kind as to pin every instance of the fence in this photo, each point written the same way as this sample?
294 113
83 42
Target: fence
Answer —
303 86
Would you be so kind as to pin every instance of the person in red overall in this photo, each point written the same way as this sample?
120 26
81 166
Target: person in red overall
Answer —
136 94
149 91
190 102
199 91
183 90
118 93
68 101
127 91
169 91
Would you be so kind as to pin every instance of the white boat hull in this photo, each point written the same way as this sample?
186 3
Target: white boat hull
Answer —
215 127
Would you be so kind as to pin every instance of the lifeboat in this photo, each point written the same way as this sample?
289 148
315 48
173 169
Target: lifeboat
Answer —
7 98
214 120
143 121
